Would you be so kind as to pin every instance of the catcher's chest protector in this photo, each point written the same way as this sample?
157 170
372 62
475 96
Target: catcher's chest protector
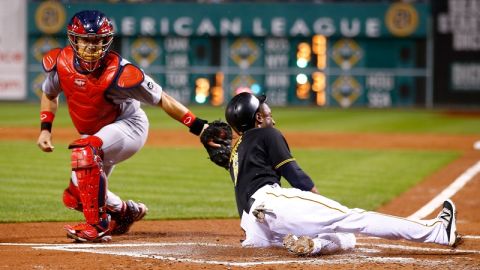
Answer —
88 108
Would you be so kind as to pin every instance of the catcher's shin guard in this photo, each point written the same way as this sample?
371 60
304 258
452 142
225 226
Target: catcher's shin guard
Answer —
71 198
92 181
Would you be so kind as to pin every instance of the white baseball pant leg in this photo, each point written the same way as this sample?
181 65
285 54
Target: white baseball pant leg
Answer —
299 212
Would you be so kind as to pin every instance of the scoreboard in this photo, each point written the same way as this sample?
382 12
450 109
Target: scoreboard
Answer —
336 55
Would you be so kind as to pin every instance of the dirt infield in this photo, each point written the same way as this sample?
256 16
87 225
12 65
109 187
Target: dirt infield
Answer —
214 244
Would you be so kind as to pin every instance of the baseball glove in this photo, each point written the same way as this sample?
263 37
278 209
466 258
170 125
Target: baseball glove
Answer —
217 140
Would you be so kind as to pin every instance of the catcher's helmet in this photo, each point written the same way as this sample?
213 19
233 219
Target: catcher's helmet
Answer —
240 111
90 33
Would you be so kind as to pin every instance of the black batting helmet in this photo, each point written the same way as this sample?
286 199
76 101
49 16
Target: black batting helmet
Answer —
240 111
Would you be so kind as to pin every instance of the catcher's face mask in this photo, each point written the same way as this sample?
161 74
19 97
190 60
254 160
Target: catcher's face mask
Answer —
90 34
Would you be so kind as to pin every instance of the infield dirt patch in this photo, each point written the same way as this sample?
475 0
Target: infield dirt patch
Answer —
215 244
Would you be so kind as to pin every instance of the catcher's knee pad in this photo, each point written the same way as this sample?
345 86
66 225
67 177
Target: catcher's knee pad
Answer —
92 182
71 198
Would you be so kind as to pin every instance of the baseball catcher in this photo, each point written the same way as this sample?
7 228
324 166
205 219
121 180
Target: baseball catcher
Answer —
103 92
217 140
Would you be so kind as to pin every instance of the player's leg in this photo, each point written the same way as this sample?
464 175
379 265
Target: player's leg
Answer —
291 211
71 195
123 213
305 213
86 161
260 231
122 140
440 230
118 147
257 234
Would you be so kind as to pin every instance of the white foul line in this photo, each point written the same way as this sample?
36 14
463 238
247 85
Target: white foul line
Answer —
448 192
342 259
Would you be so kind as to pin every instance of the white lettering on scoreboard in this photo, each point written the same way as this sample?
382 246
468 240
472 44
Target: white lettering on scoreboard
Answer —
277 27
277 80
177 62
466 77
379 87
463 22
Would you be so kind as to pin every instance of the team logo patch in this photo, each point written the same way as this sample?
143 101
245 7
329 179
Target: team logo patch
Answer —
79 82
150 85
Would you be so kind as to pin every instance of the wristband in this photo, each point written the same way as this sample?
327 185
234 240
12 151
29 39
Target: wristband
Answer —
46 126
46 116
46 119
197 126
188 119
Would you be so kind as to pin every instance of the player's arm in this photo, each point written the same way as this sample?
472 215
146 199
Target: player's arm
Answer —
179 112
49 100
48 108
297 177
285 163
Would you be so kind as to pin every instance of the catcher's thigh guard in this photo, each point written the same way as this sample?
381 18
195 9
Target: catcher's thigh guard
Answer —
92 182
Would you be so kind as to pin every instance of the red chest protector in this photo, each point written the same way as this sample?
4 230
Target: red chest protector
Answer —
85 93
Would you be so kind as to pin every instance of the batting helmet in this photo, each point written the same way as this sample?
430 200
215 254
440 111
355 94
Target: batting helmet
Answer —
240 111
90 33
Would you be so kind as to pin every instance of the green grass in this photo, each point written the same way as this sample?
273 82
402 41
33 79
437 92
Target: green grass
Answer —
181 183
366 178
288 118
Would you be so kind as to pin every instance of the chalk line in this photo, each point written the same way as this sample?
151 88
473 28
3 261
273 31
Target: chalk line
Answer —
448 192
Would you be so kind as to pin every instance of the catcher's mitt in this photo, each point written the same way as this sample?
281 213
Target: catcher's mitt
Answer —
217 139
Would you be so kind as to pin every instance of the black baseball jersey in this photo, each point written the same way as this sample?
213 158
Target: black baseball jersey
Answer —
255 160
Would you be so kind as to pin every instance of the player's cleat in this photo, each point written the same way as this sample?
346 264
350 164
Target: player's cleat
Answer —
301 246
133 211
448 217
85 232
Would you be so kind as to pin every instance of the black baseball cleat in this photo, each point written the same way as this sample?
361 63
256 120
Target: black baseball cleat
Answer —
448 217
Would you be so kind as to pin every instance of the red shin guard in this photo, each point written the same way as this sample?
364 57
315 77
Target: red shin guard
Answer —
71 198
92 182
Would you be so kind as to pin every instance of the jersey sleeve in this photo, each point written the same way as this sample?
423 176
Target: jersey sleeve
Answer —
277 148
133 83
51 84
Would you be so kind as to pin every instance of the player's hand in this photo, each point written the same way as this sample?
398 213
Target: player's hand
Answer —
45 141
210 142
217 140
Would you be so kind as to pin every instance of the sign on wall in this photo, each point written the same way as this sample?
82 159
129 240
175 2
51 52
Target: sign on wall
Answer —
13 44
457 51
